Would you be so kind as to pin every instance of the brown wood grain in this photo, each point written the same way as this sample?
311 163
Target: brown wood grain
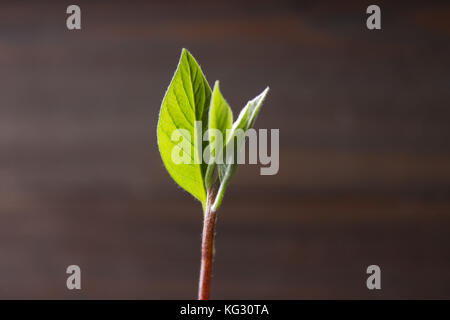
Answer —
364 150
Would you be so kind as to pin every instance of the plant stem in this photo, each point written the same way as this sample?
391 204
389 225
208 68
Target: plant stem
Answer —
209 222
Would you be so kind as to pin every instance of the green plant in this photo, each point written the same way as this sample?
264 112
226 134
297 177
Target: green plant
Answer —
192 111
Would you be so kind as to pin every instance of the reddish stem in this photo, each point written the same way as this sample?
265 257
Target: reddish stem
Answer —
209 223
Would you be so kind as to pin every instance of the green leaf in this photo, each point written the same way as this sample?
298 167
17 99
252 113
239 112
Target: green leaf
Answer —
220 119
186 101
220 115
245 121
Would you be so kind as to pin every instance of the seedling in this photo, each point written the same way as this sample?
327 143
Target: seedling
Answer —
190 111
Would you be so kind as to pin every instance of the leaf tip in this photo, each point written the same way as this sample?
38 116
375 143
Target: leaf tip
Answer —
186 54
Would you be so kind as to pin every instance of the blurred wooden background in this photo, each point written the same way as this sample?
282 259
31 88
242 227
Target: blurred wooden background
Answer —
364 150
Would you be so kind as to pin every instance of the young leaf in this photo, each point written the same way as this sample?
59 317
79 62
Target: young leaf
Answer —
245 121
220 114
186 101
220 119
